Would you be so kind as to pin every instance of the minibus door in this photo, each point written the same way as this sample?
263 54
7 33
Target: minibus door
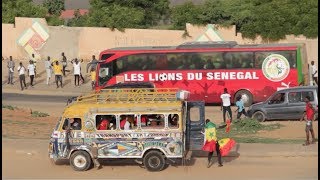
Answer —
194 125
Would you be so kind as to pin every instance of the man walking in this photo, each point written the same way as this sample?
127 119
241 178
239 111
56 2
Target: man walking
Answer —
34 61
57 69
31 71
10 66
76 71
64 64
309 113
314 72
22 78
211 142
226 104
48 68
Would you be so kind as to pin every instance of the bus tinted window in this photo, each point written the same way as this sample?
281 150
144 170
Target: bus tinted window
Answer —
289 55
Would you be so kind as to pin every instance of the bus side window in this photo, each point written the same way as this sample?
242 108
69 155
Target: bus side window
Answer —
128 122
105 122
173 121
153 121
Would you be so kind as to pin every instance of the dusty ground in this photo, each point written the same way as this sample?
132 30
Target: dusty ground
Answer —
41 127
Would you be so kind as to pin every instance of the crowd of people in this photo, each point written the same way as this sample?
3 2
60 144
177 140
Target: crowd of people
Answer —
58 68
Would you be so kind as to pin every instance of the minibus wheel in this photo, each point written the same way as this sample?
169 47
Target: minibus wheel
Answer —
80 161
154 161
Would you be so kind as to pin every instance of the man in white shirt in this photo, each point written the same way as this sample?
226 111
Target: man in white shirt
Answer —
31 70
76 71
226 104
314 72
48 68
22 78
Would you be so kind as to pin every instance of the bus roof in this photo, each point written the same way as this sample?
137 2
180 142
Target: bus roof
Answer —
223 45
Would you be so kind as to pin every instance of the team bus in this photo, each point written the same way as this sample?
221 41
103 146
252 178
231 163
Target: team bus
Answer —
206 68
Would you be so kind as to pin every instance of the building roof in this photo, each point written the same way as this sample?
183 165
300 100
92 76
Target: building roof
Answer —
69 14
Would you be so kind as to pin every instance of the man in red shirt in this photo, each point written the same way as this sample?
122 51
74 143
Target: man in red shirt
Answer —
309 114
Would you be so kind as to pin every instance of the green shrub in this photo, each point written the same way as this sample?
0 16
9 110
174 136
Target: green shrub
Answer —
8 107
39 114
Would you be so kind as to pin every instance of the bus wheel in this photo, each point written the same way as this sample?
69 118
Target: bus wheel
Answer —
259 115
246 97
154 161
80 161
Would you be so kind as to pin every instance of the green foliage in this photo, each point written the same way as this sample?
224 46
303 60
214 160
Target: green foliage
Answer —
54 20
54 6
8 107
21 8
185 13
247 126
39 114
271 19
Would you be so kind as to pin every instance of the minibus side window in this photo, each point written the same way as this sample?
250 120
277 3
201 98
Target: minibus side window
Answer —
73 123
152 121
128 122
173 121
105 122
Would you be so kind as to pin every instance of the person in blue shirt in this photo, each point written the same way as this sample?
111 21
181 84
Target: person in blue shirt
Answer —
241 110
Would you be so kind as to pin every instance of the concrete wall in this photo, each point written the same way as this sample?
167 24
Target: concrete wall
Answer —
83 42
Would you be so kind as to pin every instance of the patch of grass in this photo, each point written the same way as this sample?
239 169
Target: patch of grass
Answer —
267 140
39 114
8 107
243 131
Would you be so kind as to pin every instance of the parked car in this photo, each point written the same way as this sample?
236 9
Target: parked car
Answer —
285 104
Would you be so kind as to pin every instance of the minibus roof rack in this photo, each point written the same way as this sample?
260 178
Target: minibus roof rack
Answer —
207 44
129 95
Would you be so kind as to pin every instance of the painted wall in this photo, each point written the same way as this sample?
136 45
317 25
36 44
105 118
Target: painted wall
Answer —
83 42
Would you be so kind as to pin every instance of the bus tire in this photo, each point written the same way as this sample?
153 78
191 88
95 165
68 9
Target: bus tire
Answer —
247 97
154 161
80 161
259 115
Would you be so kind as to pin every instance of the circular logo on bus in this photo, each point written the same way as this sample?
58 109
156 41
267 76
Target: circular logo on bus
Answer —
275 67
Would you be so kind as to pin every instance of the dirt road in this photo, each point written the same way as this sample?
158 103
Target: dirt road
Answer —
28 159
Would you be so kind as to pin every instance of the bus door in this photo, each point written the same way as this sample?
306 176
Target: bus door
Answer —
194 125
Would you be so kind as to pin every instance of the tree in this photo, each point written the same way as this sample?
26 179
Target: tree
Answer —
54 6
21 8
185 13
153 10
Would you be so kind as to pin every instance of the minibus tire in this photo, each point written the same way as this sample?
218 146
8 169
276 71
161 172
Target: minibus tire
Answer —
154 161
80 161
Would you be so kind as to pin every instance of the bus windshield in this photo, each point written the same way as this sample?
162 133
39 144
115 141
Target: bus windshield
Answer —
104 73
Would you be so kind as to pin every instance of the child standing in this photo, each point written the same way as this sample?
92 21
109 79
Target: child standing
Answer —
93 77
241 110
309 113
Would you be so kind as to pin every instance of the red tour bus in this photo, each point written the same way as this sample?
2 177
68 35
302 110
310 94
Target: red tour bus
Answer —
206 68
